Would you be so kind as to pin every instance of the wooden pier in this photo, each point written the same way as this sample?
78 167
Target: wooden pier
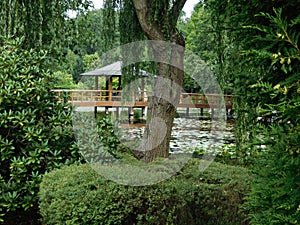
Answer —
110 98
113 98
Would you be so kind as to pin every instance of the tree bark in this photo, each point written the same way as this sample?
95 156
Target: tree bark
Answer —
161 114
167 88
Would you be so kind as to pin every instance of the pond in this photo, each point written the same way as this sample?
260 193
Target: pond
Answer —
188 134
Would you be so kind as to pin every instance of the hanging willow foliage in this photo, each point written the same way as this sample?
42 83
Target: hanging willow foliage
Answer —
160 12
159 23
40 22
121 15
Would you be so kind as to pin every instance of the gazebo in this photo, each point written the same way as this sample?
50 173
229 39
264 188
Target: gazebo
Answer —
109 72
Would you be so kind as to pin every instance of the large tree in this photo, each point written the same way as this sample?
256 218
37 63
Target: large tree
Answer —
156 20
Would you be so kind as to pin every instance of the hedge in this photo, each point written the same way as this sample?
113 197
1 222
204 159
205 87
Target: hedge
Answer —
78 195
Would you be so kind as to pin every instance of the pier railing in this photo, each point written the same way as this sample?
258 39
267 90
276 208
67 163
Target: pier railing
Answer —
114 98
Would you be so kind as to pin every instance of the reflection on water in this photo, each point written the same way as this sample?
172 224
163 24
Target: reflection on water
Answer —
187 134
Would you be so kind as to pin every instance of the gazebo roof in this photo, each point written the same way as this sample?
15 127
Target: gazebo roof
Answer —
114 69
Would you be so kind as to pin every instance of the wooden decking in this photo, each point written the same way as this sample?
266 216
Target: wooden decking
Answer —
106 98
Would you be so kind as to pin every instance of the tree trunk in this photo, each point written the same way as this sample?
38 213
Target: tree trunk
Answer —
162 104
169 53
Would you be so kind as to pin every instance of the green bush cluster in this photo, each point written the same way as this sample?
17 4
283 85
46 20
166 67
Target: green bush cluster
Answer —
108 136
275 195
98 138
35 129
63 80
76 194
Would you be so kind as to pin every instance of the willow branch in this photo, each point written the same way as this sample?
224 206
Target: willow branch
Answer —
176 10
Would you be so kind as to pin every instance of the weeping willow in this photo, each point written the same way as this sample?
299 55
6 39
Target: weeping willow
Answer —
42 23
152 20
157 22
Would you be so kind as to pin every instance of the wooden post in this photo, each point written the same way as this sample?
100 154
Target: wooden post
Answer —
143 113
72 97
95 111
119 83
110 89
187 113
117 113
106 89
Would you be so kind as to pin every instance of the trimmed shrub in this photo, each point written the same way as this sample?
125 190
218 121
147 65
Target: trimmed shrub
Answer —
78 195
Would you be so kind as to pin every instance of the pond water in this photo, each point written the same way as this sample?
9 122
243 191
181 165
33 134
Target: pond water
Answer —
188 134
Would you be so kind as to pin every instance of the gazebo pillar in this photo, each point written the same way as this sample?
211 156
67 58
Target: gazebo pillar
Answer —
110 88
96 88
119 83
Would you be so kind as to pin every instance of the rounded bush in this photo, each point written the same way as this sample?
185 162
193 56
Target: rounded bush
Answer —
78 195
